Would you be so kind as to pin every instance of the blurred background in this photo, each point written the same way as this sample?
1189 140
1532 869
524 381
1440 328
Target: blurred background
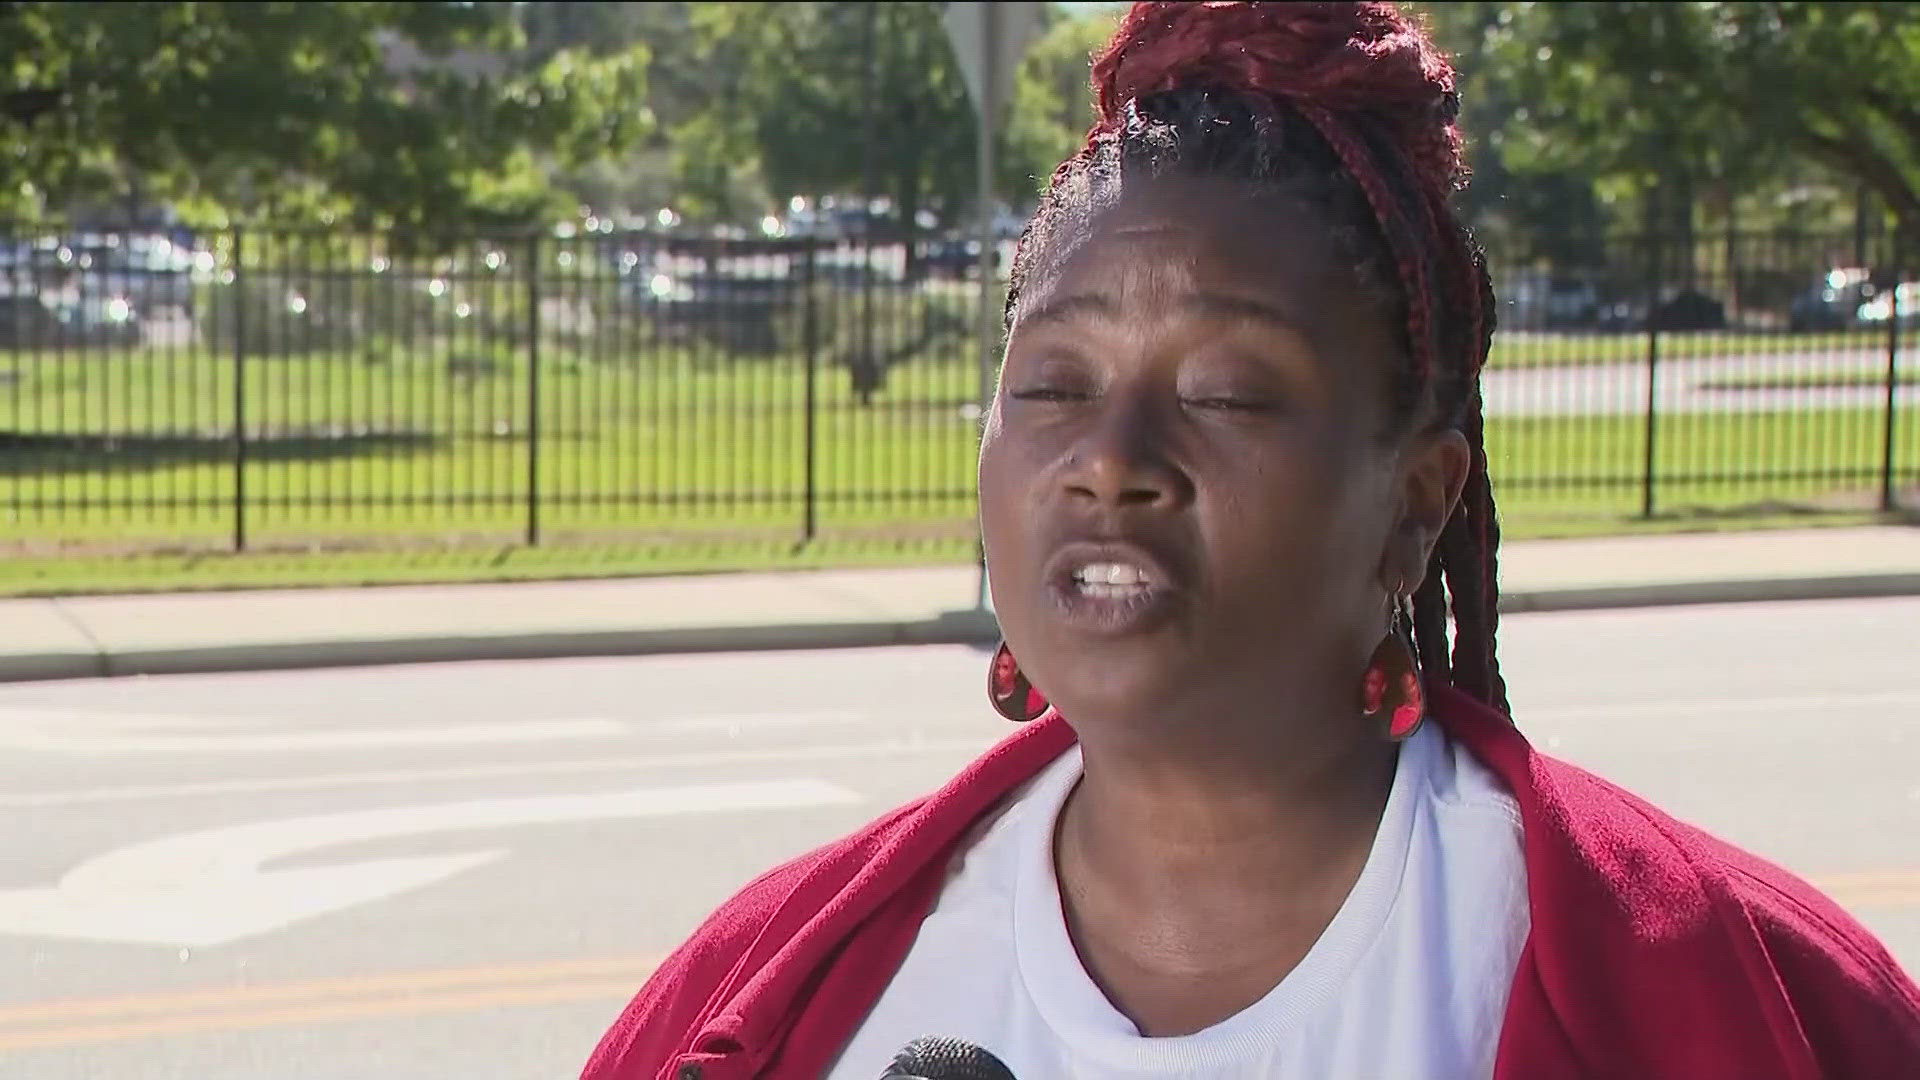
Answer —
337 294
328 293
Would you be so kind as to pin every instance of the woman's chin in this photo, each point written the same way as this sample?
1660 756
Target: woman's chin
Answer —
1116 692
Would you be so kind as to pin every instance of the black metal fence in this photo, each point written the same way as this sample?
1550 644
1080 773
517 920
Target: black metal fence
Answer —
271 387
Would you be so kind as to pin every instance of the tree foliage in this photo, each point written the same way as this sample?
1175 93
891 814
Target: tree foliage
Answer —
450 115
831 97
1667 97
1531 211
1053 95
396 114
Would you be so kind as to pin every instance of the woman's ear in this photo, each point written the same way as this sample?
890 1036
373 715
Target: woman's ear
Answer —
1433 470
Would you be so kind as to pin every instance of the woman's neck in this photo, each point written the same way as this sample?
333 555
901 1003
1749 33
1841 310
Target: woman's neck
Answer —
1260 813
1194 879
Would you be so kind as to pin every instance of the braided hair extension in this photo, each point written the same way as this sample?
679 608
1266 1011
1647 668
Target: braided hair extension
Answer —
1348 108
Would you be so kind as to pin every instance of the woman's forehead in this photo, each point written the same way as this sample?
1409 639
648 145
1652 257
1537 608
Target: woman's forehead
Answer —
1168 239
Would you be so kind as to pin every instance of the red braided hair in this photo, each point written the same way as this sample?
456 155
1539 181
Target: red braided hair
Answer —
1349 59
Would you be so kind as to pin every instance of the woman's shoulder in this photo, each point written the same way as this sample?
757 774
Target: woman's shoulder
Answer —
1680 885
1633 844
1650 932
1847 991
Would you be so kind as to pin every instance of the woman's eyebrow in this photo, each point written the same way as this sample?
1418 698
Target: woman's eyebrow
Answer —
1065 309
1220 306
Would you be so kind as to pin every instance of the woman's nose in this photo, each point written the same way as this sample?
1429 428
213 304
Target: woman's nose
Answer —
1123 459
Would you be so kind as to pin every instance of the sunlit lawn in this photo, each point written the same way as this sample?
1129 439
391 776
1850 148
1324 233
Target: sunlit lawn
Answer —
400 471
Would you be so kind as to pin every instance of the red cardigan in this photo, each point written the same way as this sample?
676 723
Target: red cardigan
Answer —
1656 951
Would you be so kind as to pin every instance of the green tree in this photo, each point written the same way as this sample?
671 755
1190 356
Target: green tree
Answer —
1053 94
1545 213
820 98
421 115
1684 100
642 177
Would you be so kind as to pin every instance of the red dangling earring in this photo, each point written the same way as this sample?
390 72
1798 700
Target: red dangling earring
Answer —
1007 687
1392 683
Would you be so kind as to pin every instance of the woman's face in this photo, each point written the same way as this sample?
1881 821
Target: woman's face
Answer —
1186 495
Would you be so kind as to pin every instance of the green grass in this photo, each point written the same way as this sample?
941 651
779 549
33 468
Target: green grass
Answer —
207 571
72 575
335 443
363 473
1707 466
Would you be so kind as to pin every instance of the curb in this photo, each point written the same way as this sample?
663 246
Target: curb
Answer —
37 667
966 627
1762 590
949 628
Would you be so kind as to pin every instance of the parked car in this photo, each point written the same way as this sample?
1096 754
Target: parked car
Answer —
1904 296
151 272
1688 309
1833 301
735 312
26 321
953 258
30 320
1539 302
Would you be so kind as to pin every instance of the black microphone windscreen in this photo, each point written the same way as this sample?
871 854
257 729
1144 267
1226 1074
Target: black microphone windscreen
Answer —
938 1058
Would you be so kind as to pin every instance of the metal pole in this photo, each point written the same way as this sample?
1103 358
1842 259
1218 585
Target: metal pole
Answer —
989 327
1862 206
533 390
1887 501
865 355
239 396
1653 374
810 345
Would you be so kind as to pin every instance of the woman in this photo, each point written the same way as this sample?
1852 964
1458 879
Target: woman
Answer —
1233 495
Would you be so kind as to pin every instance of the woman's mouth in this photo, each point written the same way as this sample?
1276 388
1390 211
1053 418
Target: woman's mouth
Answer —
1109 588
1111 580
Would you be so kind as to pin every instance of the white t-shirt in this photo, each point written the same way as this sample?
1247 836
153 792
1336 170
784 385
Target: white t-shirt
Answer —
1408 981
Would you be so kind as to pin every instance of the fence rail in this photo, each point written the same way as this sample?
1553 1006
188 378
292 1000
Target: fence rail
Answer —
266 387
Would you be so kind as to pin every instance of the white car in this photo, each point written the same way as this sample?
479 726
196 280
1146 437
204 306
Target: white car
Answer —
1905 296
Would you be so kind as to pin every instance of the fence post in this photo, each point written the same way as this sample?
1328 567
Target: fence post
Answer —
239 394
1888 503
810 347
1653 375
533 390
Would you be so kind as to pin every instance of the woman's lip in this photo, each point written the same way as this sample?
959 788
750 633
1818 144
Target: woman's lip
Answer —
1072 556
1128 610
1135 611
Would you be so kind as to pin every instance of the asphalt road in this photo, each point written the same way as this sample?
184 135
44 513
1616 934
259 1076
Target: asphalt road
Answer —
463 870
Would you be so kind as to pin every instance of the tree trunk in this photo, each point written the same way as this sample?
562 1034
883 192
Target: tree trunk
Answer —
1869 166
1733 255
1681 211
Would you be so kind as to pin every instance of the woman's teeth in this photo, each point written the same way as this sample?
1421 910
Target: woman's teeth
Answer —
1109 580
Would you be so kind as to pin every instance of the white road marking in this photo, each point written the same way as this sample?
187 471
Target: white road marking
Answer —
91 733
206 888
494 771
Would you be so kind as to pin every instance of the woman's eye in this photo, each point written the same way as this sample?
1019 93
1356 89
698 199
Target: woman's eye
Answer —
1049 393
1231 403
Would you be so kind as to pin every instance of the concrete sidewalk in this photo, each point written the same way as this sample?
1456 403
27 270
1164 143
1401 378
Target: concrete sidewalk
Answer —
232 631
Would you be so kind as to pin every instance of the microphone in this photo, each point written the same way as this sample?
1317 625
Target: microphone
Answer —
936 1057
